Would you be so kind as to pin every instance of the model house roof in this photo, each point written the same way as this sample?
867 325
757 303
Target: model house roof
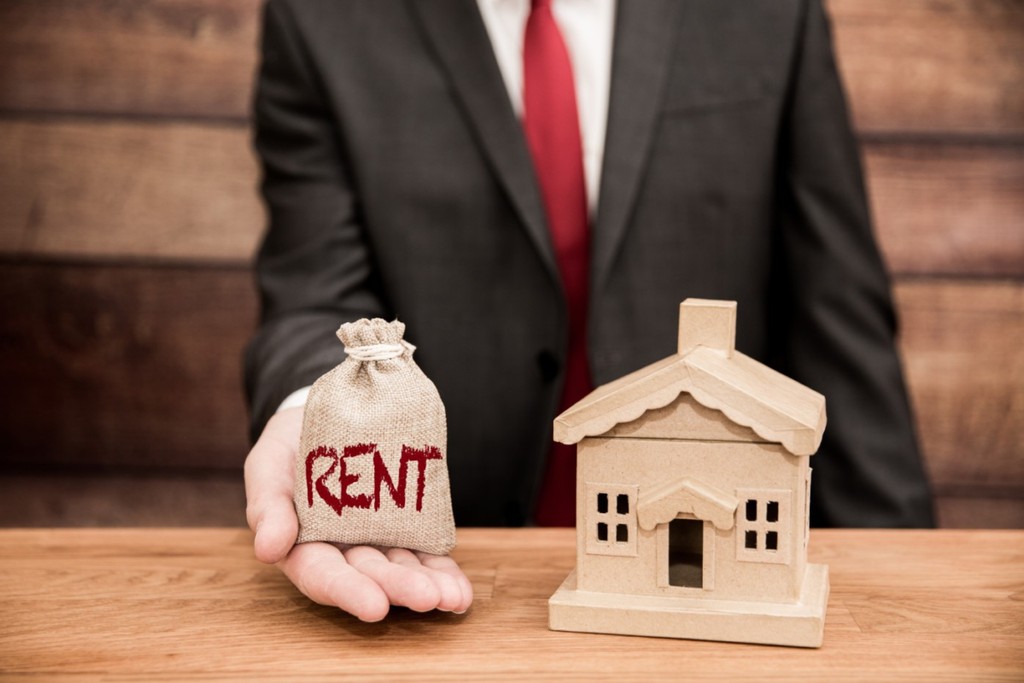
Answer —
708 367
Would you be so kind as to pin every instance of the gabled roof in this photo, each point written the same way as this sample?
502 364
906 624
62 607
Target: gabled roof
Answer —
750 394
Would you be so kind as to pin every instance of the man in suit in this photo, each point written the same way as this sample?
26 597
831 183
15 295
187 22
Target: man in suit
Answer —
399 183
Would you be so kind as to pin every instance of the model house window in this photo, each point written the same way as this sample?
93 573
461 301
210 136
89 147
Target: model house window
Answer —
611 519
764 527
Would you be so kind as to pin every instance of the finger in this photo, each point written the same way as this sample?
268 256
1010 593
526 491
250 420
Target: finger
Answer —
446 565
450 594
321 573
403 585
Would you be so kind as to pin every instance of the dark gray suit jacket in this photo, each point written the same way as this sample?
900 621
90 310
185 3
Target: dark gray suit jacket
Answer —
398 183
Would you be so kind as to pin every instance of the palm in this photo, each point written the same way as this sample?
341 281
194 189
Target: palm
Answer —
362 580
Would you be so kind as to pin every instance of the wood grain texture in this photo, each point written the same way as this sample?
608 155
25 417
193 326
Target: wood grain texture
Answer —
934 67
982 511
962 348
923 66
948 209
185 58
121 365
111 189
167 604
188 193
84 497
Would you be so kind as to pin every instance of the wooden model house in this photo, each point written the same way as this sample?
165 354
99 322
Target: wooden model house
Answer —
693 488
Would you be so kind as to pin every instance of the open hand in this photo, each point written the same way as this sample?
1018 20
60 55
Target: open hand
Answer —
362 580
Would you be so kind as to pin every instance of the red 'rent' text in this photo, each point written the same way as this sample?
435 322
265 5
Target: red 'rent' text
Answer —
346 478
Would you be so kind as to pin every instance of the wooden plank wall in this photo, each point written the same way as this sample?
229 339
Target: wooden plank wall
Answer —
129 217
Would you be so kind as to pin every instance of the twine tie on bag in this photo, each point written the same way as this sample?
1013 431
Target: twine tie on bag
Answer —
372 352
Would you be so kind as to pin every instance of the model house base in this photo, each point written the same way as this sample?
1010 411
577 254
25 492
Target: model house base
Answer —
799 624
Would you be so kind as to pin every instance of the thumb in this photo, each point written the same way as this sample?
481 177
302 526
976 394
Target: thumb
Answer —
276 528
269 475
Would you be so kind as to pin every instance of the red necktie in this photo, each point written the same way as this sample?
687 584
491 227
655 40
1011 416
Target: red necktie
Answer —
553 136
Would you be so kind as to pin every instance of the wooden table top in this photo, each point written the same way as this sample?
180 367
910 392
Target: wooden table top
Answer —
167 604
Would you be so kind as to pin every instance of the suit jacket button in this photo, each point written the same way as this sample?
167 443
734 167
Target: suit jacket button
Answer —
549 365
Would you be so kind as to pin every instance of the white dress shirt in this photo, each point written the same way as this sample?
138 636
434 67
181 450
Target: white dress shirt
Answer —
587 27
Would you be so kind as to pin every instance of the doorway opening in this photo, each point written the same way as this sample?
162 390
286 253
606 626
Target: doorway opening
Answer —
686 553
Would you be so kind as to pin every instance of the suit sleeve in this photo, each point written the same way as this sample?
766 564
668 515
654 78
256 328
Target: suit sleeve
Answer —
314 269
834 304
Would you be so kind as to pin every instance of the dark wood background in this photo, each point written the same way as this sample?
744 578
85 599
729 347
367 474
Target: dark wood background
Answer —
129 218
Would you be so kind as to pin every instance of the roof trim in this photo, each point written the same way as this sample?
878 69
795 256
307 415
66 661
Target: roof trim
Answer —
777 408
663 503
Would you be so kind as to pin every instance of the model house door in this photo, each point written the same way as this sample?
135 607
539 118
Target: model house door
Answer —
686 553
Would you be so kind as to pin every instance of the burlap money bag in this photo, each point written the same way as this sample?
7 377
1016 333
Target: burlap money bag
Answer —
372 466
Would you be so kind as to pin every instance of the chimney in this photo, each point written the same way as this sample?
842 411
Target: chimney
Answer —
706 322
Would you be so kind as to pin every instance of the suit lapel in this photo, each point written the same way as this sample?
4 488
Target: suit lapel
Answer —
458 36
644 41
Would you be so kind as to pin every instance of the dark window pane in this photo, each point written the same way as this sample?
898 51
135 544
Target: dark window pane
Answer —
772 515
602 531
751 510
602 503
621 533
750 540
622 504
771 541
